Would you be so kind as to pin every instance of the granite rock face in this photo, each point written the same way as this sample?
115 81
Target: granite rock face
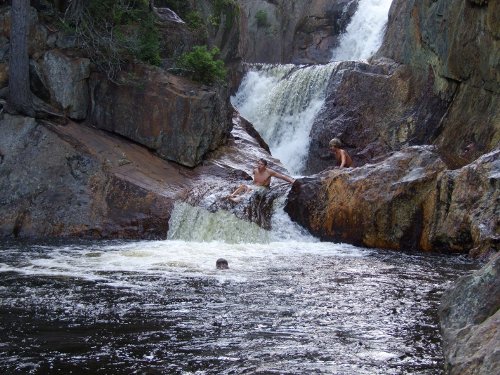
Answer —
374 109
467 208
435 77
67 83
378 205
457 42
177 118
409 201
302 32
470 317
77 181
74 181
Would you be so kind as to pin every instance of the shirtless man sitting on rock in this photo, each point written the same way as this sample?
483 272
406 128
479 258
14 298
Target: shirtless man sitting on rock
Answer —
261 180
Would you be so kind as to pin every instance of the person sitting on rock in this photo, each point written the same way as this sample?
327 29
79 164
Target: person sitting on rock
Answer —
261 180
341 155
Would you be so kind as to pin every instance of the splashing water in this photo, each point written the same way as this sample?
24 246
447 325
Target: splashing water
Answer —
365 31
282 102
190 223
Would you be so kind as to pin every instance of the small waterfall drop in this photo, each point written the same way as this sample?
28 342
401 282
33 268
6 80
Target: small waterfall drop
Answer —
364 33
190 223
282 102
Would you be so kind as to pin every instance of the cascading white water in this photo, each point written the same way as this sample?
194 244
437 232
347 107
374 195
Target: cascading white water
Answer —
190 223
364 33
282 102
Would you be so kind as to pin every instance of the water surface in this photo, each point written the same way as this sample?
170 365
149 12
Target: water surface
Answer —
162 308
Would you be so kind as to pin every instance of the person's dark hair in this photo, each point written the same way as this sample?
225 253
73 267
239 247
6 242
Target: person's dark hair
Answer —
263 161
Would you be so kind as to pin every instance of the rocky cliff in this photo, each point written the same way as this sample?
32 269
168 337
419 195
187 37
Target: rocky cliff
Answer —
302 32
434 82
457 43
435 77
409 201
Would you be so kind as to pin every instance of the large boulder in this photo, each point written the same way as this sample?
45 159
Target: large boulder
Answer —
77 181
466 208
179 119
470 321
374 109
74 181
407 201
301 32
378 205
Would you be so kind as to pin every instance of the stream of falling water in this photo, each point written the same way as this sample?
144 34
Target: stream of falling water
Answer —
365 32
282 101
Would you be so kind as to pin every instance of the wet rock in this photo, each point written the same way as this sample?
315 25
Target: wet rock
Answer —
379 205
73 181
408 201
470 317
374 109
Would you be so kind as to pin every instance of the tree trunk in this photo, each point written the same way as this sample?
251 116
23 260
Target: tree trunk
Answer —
20 100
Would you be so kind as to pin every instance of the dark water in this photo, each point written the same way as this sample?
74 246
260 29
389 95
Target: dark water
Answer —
162 308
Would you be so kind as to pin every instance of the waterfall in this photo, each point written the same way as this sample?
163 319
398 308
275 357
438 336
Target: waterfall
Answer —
282 101
364 33
190 223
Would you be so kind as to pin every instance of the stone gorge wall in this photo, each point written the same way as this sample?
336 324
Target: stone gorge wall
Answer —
457 44
179 119
435 80
300 31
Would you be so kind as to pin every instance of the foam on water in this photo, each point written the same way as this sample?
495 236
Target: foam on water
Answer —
168 259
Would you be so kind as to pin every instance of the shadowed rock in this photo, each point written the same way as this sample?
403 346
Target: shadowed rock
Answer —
181 120
470 317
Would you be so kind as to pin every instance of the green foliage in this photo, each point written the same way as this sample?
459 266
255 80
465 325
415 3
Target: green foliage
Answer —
194 20
201 65
261 18
149 44
116 31
224 7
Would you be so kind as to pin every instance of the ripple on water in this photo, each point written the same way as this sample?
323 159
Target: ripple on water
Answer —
162 307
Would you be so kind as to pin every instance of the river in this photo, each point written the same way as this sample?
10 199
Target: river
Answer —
288 304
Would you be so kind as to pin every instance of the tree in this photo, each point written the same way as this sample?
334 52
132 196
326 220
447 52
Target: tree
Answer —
20 100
